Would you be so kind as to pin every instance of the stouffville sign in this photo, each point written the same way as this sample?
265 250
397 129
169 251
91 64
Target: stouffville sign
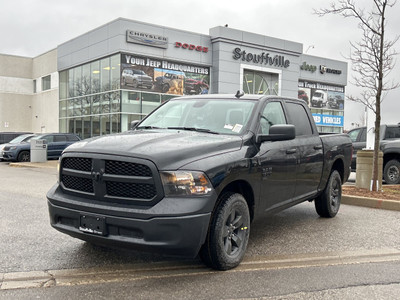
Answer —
263 58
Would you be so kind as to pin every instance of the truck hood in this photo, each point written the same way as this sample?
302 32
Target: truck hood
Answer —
168 149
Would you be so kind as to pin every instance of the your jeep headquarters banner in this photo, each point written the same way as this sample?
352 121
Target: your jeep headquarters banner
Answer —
162 76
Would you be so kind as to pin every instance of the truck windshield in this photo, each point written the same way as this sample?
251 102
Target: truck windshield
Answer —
205 115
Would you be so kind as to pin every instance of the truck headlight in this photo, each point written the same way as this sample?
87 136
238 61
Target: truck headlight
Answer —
185 183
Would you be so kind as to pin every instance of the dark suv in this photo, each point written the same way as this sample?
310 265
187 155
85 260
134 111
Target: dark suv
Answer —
56 143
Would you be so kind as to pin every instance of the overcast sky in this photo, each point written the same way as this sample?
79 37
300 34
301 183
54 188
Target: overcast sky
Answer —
32 27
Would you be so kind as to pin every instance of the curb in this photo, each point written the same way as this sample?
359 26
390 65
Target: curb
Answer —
371 202
48 164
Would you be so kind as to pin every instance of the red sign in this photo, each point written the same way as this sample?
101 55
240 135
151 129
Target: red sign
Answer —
191 47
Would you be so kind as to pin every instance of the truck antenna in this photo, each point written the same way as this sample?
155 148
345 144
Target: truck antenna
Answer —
239 94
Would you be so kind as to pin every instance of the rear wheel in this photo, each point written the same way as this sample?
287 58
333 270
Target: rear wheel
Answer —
228 235
24 156
391 173
328 203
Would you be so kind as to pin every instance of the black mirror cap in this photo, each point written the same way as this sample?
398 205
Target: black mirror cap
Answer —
281 132
134 124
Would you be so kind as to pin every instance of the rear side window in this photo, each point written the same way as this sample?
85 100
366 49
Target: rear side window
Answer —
392 133
299 118
60 138
72 138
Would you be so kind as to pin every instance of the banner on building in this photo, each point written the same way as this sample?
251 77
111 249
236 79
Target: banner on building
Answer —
163 76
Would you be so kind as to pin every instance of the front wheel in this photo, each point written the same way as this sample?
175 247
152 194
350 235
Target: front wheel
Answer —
24 156
391 173
327 204
228 235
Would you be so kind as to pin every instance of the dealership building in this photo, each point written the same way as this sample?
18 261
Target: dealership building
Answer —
98 82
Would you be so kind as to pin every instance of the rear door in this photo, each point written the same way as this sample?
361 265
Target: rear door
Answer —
309 149
55 145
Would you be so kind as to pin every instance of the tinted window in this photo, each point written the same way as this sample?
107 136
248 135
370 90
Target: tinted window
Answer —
271 115
72 138
392 133
363 136
60 138
354 134
299 118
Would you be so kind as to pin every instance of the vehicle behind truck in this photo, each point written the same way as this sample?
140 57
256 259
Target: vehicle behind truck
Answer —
389 145
191 177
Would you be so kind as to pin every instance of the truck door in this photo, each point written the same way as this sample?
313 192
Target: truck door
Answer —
276 162
309 150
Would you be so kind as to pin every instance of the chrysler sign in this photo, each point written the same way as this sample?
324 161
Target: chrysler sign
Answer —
148 39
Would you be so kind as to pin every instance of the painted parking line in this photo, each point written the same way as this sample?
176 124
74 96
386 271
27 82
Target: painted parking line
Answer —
68 277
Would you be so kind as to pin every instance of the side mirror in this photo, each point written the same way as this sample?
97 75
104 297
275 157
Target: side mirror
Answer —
282 132
134 124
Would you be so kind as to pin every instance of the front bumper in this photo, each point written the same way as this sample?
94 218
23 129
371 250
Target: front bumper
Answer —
167 227
9 156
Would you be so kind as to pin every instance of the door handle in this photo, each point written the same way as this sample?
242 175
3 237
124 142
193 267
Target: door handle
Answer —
291 151
318 147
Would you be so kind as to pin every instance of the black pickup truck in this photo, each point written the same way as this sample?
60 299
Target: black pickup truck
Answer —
389 144
192 175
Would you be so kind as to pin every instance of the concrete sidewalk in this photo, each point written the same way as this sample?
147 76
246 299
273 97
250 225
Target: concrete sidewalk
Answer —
346 199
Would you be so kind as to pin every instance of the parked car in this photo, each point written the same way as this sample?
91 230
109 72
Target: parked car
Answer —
6 137
195 172
24 138
389 145
56 143
136 78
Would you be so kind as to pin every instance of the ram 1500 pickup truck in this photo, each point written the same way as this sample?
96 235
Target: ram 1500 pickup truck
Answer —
192 176
389 144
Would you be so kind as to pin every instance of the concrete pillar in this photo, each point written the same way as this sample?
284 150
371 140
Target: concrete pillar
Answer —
364 167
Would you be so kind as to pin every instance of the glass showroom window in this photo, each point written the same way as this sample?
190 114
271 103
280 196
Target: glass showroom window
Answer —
260 83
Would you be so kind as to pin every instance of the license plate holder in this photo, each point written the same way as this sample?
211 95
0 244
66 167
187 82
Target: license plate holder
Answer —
93 224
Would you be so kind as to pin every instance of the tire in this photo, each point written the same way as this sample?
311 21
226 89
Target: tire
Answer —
391 172
24 156
228 234
328 203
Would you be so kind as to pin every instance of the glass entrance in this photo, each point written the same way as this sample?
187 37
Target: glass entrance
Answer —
260 83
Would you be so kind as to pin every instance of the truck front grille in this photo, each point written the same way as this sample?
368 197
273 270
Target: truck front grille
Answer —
111 179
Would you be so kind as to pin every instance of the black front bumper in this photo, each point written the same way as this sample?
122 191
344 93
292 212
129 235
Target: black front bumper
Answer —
172 227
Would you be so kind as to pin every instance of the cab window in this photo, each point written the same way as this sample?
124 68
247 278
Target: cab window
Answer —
271 115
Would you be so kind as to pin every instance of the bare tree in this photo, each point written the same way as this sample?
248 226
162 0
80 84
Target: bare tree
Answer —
372 59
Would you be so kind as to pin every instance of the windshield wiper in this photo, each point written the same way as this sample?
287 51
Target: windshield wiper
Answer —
194 129
149 127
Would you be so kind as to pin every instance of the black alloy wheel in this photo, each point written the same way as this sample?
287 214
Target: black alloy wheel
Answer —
391 172
328 203
228 235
